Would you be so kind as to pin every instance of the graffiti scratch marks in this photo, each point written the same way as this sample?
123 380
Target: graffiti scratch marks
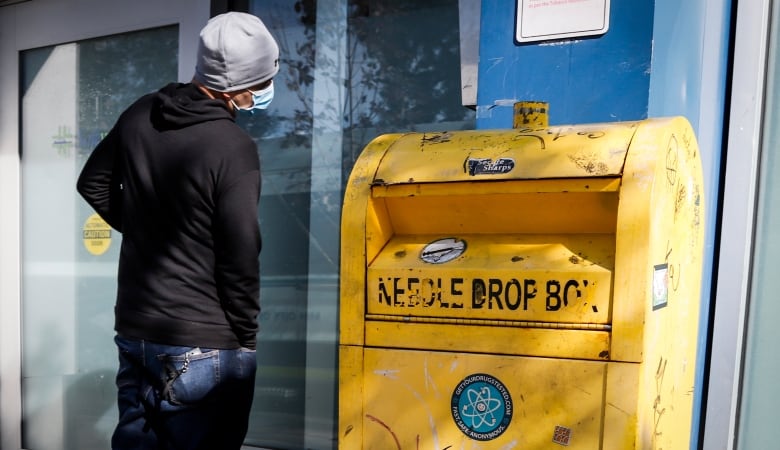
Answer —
658 409
679 202
430 382
590 134
590 164
674 274
696 207
393 374
386 427
672 160
538 138
436 138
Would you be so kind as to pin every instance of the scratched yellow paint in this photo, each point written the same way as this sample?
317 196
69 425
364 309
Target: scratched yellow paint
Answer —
504 338
660 223
518 273
461 213
562 264
557 152
411 393
357 218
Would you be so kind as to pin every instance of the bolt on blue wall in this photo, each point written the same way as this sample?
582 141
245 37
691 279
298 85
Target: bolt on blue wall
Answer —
585 80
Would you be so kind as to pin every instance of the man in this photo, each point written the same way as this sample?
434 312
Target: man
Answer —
180 180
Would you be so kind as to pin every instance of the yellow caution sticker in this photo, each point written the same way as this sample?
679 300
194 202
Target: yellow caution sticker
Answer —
96 235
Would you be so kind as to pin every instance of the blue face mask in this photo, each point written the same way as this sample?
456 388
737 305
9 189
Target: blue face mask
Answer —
260 100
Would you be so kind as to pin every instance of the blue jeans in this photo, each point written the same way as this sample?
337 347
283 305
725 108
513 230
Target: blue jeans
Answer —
173 397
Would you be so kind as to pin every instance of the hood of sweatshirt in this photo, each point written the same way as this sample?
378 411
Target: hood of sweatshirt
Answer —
180 105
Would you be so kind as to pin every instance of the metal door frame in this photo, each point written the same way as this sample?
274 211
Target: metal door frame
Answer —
738 215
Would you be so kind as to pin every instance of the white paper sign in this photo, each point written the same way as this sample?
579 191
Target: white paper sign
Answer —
539 20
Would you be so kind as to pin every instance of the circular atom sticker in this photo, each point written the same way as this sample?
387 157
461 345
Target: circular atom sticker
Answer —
443 250
481 407
96 235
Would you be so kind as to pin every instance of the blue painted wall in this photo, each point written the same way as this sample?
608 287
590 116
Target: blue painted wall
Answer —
659 58
594 79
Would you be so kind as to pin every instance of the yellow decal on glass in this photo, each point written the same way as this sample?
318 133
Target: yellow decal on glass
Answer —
96 235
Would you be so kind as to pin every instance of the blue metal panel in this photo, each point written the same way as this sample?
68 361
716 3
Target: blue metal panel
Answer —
596 79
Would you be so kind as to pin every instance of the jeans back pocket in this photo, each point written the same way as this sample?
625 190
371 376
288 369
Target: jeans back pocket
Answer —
188 378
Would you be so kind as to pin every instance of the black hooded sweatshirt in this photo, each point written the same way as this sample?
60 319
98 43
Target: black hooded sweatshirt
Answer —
181 182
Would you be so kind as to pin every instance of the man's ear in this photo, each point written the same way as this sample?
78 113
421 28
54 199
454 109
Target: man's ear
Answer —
212 93
227 96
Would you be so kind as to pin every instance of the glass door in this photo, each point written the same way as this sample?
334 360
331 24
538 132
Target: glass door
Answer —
71 94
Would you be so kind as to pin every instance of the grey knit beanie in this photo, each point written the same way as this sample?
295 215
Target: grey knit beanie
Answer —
235 52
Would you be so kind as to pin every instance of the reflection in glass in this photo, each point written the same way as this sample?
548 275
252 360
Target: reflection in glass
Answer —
350 71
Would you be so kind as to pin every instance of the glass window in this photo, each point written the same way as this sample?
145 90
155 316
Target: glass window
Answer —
350 71
71 96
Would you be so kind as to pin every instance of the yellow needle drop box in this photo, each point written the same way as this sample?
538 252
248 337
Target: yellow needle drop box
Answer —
522 289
